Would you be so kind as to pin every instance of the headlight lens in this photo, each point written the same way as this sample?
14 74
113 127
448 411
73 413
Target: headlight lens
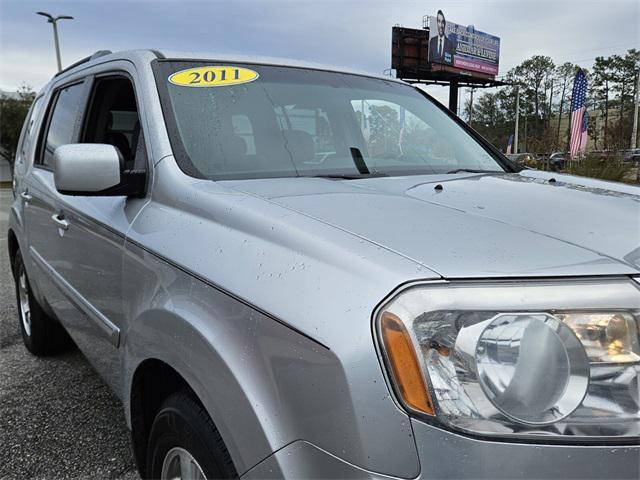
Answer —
514 356
543 358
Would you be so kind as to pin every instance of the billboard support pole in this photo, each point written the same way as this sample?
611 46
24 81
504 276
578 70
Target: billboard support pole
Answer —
453 96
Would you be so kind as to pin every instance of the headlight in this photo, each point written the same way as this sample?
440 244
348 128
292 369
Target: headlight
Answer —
554 358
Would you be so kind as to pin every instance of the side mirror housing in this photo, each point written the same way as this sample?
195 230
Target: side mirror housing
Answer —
94 169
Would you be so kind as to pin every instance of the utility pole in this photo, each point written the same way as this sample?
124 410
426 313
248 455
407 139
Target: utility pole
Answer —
550 104
515 134
595 124
471 107
526 142
53 21
634 132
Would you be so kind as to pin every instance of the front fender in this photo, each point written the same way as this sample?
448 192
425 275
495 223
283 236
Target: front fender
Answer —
175 339
263 384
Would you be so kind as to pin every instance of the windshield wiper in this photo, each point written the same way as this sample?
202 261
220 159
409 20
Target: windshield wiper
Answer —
360 164
358 159
472 170
349 176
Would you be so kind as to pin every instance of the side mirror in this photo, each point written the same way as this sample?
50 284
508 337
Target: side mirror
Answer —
94 169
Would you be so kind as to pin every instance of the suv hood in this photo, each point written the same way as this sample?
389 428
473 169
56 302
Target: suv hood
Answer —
496 225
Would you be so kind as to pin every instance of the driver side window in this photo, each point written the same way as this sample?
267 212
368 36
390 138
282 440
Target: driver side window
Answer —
113 119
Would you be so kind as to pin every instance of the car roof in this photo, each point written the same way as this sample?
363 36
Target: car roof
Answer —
146 55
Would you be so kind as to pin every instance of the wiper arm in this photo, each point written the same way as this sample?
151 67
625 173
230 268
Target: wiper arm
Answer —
358 159
349 176
360 164
472 170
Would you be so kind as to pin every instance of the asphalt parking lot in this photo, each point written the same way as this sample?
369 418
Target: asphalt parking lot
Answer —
57 418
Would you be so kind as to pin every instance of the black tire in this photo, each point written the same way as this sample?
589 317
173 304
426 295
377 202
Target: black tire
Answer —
182 422
45 335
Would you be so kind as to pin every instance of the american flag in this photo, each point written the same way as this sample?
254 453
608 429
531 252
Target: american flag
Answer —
578 108
584 137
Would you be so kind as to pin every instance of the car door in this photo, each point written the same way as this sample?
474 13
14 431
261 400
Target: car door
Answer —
77 241
94 241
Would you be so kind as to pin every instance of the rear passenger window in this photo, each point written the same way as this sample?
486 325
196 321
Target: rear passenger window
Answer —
63 121
27 131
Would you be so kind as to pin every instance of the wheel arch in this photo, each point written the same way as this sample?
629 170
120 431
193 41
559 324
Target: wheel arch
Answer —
165 352
146 397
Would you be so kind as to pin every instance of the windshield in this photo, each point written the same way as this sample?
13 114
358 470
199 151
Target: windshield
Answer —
286 122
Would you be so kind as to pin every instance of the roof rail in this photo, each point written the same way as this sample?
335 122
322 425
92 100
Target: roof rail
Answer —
98 54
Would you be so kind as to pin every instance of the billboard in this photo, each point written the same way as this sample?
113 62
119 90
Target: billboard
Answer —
462 47
409 50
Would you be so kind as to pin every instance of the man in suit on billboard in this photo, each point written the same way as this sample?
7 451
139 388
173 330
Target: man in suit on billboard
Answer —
441 49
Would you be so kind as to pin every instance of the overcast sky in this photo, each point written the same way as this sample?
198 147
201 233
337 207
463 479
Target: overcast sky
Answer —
351 33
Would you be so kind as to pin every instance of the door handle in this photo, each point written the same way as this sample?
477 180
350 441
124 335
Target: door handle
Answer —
59 220
26 197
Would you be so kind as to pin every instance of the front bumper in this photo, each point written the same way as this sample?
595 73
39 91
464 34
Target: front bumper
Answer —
448 455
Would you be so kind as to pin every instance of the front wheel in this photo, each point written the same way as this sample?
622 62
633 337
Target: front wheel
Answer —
185 444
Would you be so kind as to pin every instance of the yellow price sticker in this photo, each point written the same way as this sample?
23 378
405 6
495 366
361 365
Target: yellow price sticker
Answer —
213 76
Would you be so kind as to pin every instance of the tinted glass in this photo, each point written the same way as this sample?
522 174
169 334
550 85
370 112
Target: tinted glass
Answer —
26 139
113 118
63 121
301 122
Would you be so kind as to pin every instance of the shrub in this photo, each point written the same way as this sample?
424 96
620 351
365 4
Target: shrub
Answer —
594 166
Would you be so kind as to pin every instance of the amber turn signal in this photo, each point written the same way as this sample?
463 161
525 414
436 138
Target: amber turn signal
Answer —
404 364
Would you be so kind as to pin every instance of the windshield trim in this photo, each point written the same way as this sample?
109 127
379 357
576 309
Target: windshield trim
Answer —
186 165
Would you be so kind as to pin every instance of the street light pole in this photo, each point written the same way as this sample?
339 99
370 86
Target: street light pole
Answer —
57 44
53 21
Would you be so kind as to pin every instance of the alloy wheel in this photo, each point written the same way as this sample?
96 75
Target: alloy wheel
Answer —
24 304
180 464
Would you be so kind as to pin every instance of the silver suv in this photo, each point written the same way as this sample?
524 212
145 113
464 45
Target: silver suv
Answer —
285 270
